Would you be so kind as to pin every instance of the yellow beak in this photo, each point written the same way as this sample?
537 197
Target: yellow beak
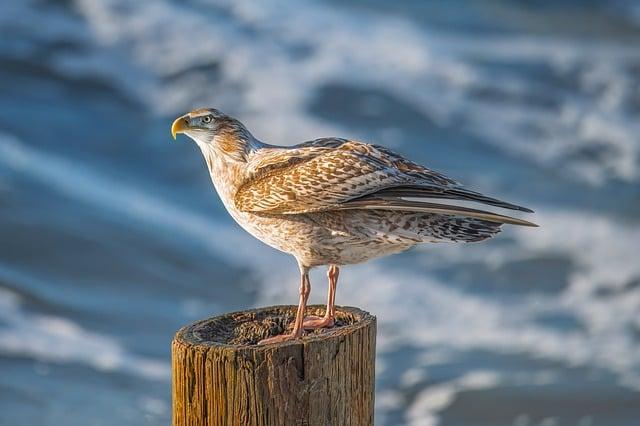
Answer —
179 125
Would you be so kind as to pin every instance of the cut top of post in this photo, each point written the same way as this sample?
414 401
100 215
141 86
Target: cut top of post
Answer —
247 328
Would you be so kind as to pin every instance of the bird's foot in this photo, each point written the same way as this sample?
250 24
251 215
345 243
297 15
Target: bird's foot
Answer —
279 338
312 322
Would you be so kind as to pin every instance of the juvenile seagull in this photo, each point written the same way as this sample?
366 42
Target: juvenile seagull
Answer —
333 201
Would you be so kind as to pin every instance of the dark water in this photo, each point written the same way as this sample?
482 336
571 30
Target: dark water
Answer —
112 237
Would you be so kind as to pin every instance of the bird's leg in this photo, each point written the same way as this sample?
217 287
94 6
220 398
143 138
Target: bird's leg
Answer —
305 289
328 320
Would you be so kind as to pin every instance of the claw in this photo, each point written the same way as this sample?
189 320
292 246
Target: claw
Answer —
313 322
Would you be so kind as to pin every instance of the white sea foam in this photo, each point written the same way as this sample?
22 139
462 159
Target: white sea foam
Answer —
141 44
437 397
53 339
263 77
109 194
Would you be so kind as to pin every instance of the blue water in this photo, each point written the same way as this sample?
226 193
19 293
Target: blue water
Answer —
112 237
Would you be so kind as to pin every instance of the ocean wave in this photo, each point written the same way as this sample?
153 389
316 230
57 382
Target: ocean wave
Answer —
56 339
435 398
269 62
107 193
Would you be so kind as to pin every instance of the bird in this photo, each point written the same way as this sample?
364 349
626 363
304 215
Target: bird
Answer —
334 201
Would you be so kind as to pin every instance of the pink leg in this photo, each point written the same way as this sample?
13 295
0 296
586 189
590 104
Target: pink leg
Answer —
296 333
328 320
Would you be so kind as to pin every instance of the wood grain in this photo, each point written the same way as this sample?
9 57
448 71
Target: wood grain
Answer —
325 378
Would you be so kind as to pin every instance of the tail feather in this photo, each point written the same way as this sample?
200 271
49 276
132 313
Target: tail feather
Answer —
399 204
459 229
450 193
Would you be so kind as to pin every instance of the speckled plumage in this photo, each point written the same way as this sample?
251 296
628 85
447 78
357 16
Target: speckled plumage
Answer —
334 201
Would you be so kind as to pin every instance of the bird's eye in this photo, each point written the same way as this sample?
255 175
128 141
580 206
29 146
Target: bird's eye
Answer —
206 119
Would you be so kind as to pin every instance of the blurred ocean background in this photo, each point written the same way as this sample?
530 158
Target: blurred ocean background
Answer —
112 236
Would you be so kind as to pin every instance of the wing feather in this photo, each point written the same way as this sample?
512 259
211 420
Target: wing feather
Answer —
450 193
375 203
320 181
337 174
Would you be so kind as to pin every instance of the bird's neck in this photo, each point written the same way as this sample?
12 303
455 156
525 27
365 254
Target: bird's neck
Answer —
228 167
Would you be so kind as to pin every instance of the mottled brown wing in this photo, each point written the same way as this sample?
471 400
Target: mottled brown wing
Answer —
317 177
334 174
278 158
423 175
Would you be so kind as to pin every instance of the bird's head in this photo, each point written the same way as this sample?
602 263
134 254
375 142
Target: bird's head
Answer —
212 129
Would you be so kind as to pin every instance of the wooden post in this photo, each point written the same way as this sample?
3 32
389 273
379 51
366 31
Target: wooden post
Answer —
222 377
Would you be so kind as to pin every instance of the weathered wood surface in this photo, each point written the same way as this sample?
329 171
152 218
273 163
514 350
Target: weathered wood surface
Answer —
221 377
